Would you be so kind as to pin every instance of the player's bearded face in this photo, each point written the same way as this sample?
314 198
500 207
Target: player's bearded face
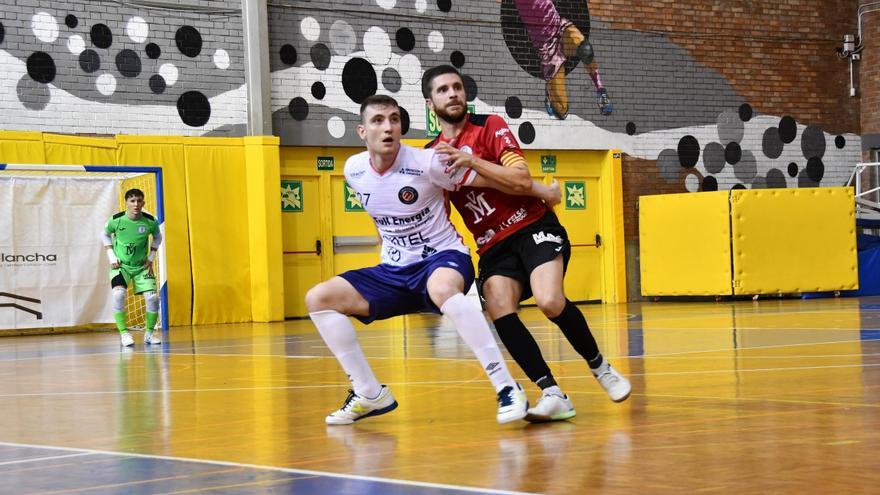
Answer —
448 98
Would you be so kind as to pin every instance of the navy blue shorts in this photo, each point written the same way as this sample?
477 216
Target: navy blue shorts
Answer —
400 290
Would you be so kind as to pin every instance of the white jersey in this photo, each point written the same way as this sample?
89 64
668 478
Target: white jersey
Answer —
408 204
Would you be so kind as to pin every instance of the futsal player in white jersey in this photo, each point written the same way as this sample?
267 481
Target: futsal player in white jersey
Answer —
425 265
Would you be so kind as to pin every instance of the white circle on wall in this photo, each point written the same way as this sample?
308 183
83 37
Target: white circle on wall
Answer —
106 84
692 183
76 44
421 5
45 27
310 28
137 29
336 127
342 38
169 73
410 69
386 4
377 46
435 41
221 59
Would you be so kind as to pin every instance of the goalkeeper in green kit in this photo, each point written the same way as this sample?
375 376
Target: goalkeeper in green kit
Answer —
126 238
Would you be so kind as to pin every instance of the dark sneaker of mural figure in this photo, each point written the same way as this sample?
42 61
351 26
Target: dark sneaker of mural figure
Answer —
604 101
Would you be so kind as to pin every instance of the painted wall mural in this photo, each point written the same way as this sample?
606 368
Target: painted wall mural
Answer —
109 67
524 60
563 79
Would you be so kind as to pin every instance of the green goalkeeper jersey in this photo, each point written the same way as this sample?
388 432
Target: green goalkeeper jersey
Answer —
131 238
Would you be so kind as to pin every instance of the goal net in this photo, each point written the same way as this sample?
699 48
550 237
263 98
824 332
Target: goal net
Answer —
53 269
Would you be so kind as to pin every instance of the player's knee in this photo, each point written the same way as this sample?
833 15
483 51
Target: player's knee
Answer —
498 308
585 52
118 298
551 305
151 300
441 293
322 297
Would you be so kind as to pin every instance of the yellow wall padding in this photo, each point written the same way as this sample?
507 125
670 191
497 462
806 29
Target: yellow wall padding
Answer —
208 197
794 240
218 210
264 224
684 244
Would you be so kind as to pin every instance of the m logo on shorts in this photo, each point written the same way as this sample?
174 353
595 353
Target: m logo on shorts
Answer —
408 195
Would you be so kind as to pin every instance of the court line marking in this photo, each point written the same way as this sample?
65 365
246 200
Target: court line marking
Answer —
37 459
305 472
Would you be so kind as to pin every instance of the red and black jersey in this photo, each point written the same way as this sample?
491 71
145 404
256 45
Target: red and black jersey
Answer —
489 214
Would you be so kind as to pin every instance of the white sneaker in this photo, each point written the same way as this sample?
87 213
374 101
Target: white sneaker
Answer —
551 407
512 404
614 383
357 407
152 338
126 339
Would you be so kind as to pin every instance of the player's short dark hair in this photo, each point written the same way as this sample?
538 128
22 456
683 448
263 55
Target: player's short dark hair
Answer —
377 100
134 193
433 73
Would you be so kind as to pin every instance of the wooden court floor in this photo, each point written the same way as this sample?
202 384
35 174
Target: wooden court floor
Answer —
773 396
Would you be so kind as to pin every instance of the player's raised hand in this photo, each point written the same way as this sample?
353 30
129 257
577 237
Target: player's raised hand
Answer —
453 158
149 266
552 194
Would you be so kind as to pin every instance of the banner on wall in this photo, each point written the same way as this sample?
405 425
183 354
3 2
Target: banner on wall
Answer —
53 271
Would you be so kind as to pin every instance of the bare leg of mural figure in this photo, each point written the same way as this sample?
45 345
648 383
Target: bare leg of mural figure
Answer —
576 45
556 102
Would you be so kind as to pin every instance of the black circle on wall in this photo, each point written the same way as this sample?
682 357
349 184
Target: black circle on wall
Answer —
457 58
320 56
792 169
89 61
737 186
745 112
771 143
630 128
288 54
157 84
194 108
71 21
391 79
815 169
688 151
189 41
444 5
513 107
775 179
101 35
710 183
526 132
813 142
41 67
787 129
318 90
404 121
406 41
733 153
153 50
298 108
470 87
359 79
840 142
128 63
517 39
2 32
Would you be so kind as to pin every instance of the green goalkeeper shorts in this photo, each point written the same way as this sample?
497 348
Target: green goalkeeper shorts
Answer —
143 279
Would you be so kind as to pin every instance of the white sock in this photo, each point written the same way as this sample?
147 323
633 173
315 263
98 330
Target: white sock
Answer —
602 368
338 333
472 327
554 390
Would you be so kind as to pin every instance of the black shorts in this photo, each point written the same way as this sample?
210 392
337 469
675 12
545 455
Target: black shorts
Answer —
518 255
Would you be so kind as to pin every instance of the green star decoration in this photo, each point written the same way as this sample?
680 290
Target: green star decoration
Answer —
291 196
352 203
575 196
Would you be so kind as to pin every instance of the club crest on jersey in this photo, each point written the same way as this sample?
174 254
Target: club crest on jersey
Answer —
467 149
408 195
142 229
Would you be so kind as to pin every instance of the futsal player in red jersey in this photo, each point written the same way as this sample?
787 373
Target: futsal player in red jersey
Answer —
523 248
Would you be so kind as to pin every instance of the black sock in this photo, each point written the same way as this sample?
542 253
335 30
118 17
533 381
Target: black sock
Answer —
524 350
574 326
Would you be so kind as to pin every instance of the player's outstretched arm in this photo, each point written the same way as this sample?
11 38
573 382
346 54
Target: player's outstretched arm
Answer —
515 178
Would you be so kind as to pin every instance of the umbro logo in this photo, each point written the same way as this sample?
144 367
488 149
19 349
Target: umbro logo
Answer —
543 237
